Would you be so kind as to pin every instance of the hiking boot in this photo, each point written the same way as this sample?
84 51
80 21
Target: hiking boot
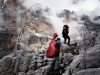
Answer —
68 44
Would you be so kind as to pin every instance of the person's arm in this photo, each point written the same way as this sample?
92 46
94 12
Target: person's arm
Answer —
62 32
68 29
61 47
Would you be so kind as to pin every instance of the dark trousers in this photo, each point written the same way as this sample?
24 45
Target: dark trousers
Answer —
55 63
65 39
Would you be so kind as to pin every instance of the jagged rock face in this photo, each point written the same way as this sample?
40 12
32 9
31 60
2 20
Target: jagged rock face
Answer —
87 62
90 35
22 21
67 15
33 20
1 3
8 42
9 13
95 71
90 48
22 63
36 43
33 23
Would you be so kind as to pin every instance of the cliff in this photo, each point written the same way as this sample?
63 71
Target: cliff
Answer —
24 23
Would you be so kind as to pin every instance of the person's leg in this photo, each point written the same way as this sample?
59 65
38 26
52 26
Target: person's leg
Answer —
57 59
68 40
65 40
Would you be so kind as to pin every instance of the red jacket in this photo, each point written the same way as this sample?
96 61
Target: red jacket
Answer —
51 51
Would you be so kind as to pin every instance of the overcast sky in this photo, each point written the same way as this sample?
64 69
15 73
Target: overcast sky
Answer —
56 5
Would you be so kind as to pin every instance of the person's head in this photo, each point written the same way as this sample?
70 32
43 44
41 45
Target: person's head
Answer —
65 26
55 35
58 39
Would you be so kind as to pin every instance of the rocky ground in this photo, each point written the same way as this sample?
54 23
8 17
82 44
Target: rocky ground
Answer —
35 63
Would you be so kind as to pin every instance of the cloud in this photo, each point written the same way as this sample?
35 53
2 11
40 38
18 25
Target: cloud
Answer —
88 5
95 16
56 5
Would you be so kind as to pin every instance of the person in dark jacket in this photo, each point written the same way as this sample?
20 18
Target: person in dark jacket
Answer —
65 32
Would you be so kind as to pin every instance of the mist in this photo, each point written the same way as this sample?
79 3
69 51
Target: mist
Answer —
95 15
56 6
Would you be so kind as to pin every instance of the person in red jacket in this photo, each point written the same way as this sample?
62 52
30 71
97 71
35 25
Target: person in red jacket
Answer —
51 51
65 32
54 50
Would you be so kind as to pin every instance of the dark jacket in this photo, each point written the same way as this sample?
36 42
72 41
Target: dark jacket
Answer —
65 32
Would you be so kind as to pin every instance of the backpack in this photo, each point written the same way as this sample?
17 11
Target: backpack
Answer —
52 50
